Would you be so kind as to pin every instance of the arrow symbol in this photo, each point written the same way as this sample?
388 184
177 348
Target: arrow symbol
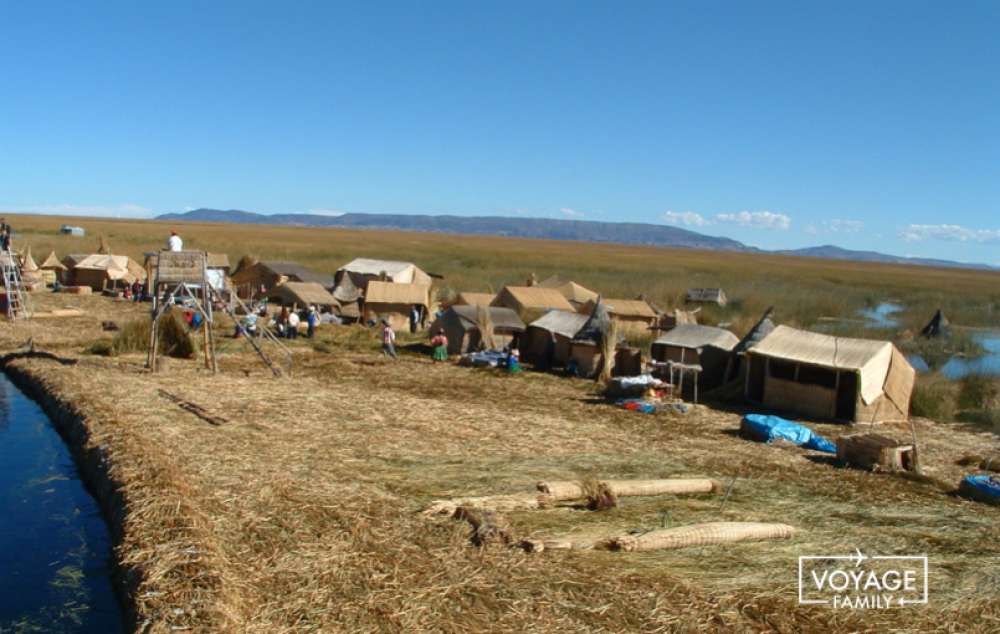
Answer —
860 557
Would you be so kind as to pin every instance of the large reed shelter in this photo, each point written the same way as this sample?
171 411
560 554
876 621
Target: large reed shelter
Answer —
818 375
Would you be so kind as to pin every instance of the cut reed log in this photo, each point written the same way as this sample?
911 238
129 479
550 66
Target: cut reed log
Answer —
989 462
701 535
565 490
563 543
499 503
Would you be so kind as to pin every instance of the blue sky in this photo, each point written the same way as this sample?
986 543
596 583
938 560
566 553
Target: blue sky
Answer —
872 125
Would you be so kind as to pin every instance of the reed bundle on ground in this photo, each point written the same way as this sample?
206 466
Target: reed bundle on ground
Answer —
565 490
499 503
989 462
701 535
569 542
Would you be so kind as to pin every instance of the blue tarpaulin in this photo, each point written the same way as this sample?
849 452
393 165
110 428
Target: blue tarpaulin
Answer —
985 484
773 428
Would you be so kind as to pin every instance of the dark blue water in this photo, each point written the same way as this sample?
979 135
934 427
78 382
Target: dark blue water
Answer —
55 549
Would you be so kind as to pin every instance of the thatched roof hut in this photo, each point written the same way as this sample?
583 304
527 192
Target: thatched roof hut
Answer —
303 294
548 338
393 302
100 271
938 326
461 326
692 344
364 270
707 296
632 315
531 301
576 294
269 274
468 298
857 380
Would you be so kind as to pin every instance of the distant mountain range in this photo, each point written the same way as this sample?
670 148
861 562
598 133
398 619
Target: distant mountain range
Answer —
543 228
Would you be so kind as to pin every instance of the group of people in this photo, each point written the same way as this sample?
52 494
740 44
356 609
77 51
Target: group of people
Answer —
288 321
439 348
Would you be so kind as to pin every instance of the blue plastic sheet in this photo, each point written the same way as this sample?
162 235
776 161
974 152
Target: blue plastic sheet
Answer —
774 428
985 484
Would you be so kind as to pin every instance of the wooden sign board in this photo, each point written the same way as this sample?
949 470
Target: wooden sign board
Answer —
176 267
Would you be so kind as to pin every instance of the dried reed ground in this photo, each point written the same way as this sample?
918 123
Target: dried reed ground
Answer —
300 513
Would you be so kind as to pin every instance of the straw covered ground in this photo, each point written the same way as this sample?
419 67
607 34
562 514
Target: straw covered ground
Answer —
300 511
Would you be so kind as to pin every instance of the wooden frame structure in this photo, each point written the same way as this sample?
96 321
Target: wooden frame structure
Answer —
182 275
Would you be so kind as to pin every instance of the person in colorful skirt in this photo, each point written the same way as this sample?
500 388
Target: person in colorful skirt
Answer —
440 345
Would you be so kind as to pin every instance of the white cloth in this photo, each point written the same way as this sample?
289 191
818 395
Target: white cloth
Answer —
174 243
293 320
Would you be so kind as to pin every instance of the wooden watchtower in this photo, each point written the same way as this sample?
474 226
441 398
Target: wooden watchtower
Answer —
180 278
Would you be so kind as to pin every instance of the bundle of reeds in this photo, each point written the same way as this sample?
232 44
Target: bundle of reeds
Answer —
485 321
609 341
514 502
701 535
565 490
175 338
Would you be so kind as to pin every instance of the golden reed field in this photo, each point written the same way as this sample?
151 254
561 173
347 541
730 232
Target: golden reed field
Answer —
297 508
802 289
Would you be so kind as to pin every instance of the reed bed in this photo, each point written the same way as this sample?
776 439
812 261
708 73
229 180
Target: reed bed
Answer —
302 513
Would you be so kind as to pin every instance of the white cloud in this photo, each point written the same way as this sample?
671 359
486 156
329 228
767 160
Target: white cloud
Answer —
126 209
573 213
686 218
327 212
949 233
756 219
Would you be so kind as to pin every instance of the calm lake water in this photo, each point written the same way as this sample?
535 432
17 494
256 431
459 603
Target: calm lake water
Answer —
55 550
882 315
988 364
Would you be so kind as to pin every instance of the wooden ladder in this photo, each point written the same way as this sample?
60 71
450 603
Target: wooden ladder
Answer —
17 300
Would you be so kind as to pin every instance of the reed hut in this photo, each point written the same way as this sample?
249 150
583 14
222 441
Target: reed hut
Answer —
677 317
350 298
106 272
468 298
266 275
364 270
297 295
31 275
634 316
461 326
51 269
530 302
393 302
575 294
707 296
695 345
548 339
838 378
587 350
938 326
